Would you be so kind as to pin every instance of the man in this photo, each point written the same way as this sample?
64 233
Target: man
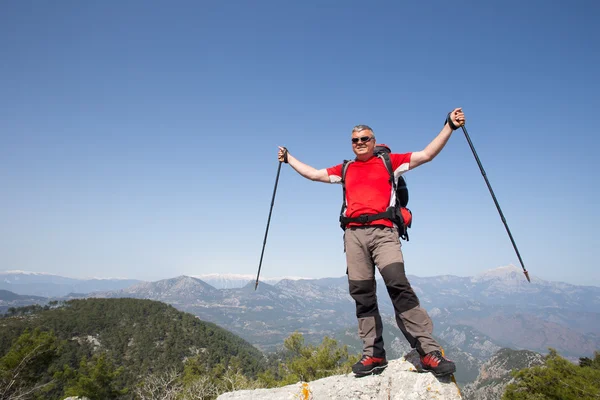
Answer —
376 242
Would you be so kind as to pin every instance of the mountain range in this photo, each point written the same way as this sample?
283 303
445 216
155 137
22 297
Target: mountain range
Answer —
474 316
49 285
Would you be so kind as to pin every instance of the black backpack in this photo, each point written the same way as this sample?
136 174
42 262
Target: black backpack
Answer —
398 214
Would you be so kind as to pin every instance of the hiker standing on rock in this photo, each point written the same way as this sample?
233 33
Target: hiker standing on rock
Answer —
372 238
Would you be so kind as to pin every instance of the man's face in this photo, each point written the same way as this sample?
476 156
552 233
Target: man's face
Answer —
363 143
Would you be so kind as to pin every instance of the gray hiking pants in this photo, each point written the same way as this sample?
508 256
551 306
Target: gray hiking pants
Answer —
365 247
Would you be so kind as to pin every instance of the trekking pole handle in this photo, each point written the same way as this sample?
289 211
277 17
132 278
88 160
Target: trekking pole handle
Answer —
284 157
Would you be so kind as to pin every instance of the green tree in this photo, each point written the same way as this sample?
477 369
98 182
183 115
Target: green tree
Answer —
308 362
592 363
95 379
557 379
24 363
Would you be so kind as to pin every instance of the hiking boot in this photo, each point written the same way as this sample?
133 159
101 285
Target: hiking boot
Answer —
436 363
369 365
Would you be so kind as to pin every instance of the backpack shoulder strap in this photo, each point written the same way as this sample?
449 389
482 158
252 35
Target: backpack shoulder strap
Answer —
345 165
385 157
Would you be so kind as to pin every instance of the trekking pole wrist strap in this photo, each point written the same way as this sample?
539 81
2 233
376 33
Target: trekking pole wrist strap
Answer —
285 155
450 123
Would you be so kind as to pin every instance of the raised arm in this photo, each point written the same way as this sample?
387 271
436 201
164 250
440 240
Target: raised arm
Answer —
319 175
433 149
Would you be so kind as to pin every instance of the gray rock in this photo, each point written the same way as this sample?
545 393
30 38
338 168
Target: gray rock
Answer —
400 380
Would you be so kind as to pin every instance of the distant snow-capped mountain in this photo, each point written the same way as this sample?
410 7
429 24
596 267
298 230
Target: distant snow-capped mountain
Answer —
233 281
505 286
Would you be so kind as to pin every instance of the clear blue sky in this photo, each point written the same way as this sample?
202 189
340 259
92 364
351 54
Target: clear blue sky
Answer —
139 138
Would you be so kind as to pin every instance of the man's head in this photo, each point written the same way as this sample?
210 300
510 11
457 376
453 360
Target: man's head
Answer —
363 142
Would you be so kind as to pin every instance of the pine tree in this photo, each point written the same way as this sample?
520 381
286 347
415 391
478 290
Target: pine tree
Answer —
28 357
95 379
308 362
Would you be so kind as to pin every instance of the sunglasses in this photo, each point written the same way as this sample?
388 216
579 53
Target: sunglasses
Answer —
363 139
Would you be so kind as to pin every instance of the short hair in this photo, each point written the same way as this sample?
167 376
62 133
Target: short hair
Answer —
359 128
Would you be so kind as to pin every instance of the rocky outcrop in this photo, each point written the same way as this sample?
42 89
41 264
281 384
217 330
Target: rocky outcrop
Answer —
400 380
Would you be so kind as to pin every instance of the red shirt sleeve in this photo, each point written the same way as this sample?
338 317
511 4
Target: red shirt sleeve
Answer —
335 173
400 162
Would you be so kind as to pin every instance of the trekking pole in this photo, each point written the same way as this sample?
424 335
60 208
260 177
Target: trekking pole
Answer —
495 201
270 212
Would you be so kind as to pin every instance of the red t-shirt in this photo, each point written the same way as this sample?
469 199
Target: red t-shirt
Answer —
368 187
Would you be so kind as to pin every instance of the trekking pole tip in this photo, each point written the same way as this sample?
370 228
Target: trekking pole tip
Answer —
256 284
527 275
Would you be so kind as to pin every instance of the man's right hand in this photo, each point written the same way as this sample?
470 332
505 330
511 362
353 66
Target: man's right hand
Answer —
306 171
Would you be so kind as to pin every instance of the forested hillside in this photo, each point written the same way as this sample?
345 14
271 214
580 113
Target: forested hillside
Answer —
130 338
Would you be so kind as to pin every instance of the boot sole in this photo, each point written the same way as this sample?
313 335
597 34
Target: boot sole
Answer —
374 371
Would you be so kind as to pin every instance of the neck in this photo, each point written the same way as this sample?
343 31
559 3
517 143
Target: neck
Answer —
364 157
